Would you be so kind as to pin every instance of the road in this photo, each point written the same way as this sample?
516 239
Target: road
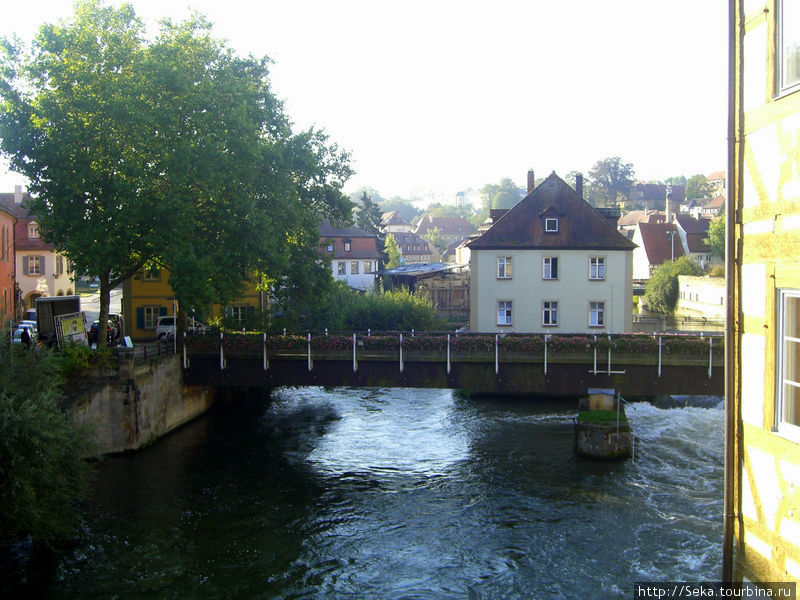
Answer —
90 304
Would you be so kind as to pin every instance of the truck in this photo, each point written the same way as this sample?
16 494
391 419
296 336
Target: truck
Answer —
47 311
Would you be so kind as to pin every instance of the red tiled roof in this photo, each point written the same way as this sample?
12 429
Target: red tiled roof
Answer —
446 225
641 216
691 225
658 244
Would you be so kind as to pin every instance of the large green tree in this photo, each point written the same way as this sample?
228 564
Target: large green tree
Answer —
697 186
171 151
611 181
368 214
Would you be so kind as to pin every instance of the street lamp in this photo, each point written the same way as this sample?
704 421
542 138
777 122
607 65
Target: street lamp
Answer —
671 235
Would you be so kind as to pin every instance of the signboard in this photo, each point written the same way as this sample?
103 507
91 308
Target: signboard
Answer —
71 328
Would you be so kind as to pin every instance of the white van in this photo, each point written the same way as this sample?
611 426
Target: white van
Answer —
166 325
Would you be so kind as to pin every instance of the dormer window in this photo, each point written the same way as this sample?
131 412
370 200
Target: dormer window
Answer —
347 245
551 225
33 231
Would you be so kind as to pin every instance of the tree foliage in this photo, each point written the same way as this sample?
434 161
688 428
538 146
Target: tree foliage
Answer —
677 180
406 209
392 250
172 151
435 238
346 310
661 293
368 214
42 474
716 237
697 186
611 181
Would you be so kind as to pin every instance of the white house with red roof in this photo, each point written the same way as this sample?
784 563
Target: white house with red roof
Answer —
353 254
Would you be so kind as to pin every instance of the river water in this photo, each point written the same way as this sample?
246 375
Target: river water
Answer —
393 493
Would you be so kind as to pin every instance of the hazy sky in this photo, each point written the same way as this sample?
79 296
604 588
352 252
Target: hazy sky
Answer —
442 95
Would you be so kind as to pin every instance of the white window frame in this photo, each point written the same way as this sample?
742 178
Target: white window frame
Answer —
354 267
151 314
550 313
347 246
33 231
341 267
784 426
505 267
597 268
152 274
367 267
549 265
551 224
785 87
239 313
34 265
597 313
505 313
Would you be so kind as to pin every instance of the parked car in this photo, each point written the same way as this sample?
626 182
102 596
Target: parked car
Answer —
16 336
29 322
118 324
111 333
165 325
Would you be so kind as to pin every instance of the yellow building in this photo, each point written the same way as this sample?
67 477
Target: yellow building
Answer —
762 488
148 295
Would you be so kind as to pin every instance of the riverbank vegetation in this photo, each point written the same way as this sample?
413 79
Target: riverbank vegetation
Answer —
661 293
43 474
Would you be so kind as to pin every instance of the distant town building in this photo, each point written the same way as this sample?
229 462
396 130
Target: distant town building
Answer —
452 229
446 285
393 222
652 195
40 270
353 254
8 295
656 243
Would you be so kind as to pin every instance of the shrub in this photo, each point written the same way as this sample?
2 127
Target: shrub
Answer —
661 294
42 474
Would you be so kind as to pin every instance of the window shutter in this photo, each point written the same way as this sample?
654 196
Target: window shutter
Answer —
162 311
140 318
25 268
41 265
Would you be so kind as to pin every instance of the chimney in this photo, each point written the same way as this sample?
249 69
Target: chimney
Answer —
17 194
531 181
579 184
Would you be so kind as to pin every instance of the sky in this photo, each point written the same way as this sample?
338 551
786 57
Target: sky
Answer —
434 97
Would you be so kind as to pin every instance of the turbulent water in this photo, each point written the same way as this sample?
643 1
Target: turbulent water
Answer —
392 493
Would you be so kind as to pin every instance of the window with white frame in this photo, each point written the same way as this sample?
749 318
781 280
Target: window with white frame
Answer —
34 265
551 224
150 316
504 312
33 231
597 316
367 266
788 44
550 267
347 245
550 313
341 267
238 312
597 268
504 267
151 274
788 364
354 267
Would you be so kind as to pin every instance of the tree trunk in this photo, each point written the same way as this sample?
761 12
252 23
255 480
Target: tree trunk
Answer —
105 303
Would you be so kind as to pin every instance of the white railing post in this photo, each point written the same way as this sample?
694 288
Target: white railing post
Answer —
185 359
412 332
448 354
355 364
369 332
264 348
284 332
609 353
594 372
221 354
496 355
326 332
710 350
310 365
401 352
659 356
546 338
